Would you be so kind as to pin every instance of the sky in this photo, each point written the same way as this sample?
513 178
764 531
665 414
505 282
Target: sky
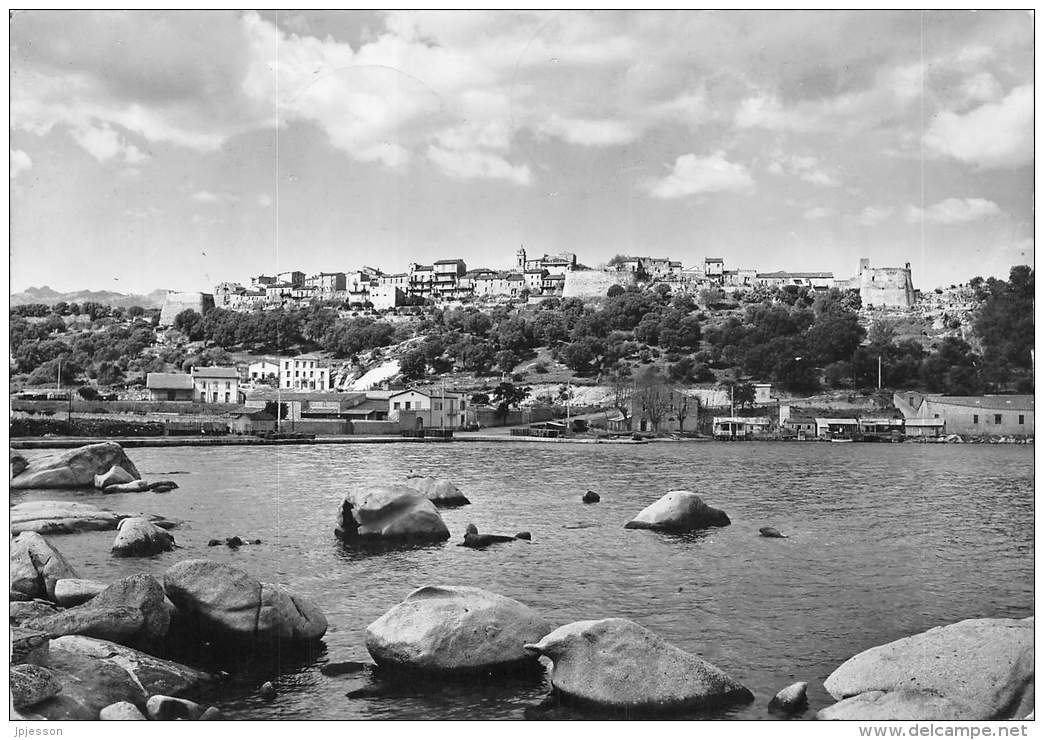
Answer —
179 149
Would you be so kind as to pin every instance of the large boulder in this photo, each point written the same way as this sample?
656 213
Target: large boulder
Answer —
217 598
36 566
29 646
679 511
75 591
389 512
96 673
440 491
115 623
73 468
132 611
618 664
978 669
70 517
456 630
138 536
32 684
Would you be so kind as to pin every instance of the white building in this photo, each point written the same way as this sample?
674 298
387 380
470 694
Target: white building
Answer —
434 408
303 374
258 371
215 384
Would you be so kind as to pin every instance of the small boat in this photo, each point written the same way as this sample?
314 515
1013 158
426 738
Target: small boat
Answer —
841 439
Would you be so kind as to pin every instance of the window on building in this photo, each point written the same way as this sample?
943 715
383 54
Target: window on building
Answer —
975 418
997 418
1022 419
407 405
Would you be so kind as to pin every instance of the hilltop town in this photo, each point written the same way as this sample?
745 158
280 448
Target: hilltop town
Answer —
449 280
638 345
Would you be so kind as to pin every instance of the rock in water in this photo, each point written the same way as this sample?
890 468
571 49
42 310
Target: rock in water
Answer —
68 517
36 566
389 512
439 491
978 669
135 486
112 476
138 537
791 700
121 711
456 630
618 664
167 708
679 511
32 684
591 498
218 598
771 532
73 468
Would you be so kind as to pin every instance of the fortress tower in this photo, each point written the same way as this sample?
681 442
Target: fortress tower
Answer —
520 258
885 287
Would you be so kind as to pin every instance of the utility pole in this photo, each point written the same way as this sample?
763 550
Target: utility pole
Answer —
879 372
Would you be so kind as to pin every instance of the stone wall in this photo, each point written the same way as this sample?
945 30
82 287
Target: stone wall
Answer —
177 302
594 283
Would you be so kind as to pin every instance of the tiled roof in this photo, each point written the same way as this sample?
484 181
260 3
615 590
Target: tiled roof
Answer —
215 372
169 381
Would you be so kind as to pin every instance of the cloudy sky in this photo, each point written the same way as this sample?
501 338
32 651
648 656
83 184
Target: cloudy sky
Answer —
180 149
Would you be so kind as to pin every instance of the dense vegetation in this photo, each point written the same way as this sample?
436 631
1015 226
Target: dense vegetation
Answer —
797 339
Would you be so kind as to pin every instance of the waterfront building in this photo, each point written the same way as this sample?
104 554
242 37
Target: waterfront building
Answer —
303 373
169 387
431 408
995 416
215 384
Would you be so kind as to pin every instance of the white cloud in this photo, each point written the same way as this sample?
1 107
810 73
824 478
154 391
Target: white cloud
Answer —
105 143
265 200
873 215
205 196
993 136
805 168
464 165
817 212
693 175
592 133
954 211
20 162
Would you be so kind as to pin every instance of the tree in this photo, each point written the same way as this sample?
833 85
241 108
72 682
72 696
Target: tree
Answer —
579 356
505 396
413 365
189 323
684 406
653 396
621 386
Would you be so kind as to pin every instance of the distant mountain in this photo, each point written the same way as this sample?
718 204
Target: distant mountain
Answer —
105 297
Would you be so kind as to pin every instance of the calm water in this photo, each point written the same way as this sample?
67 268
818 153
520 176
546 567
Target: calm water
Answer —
885 541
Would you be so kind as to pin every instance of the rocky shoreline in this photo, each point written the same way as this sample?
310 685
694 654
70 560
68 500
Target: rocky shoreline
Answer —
148 647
